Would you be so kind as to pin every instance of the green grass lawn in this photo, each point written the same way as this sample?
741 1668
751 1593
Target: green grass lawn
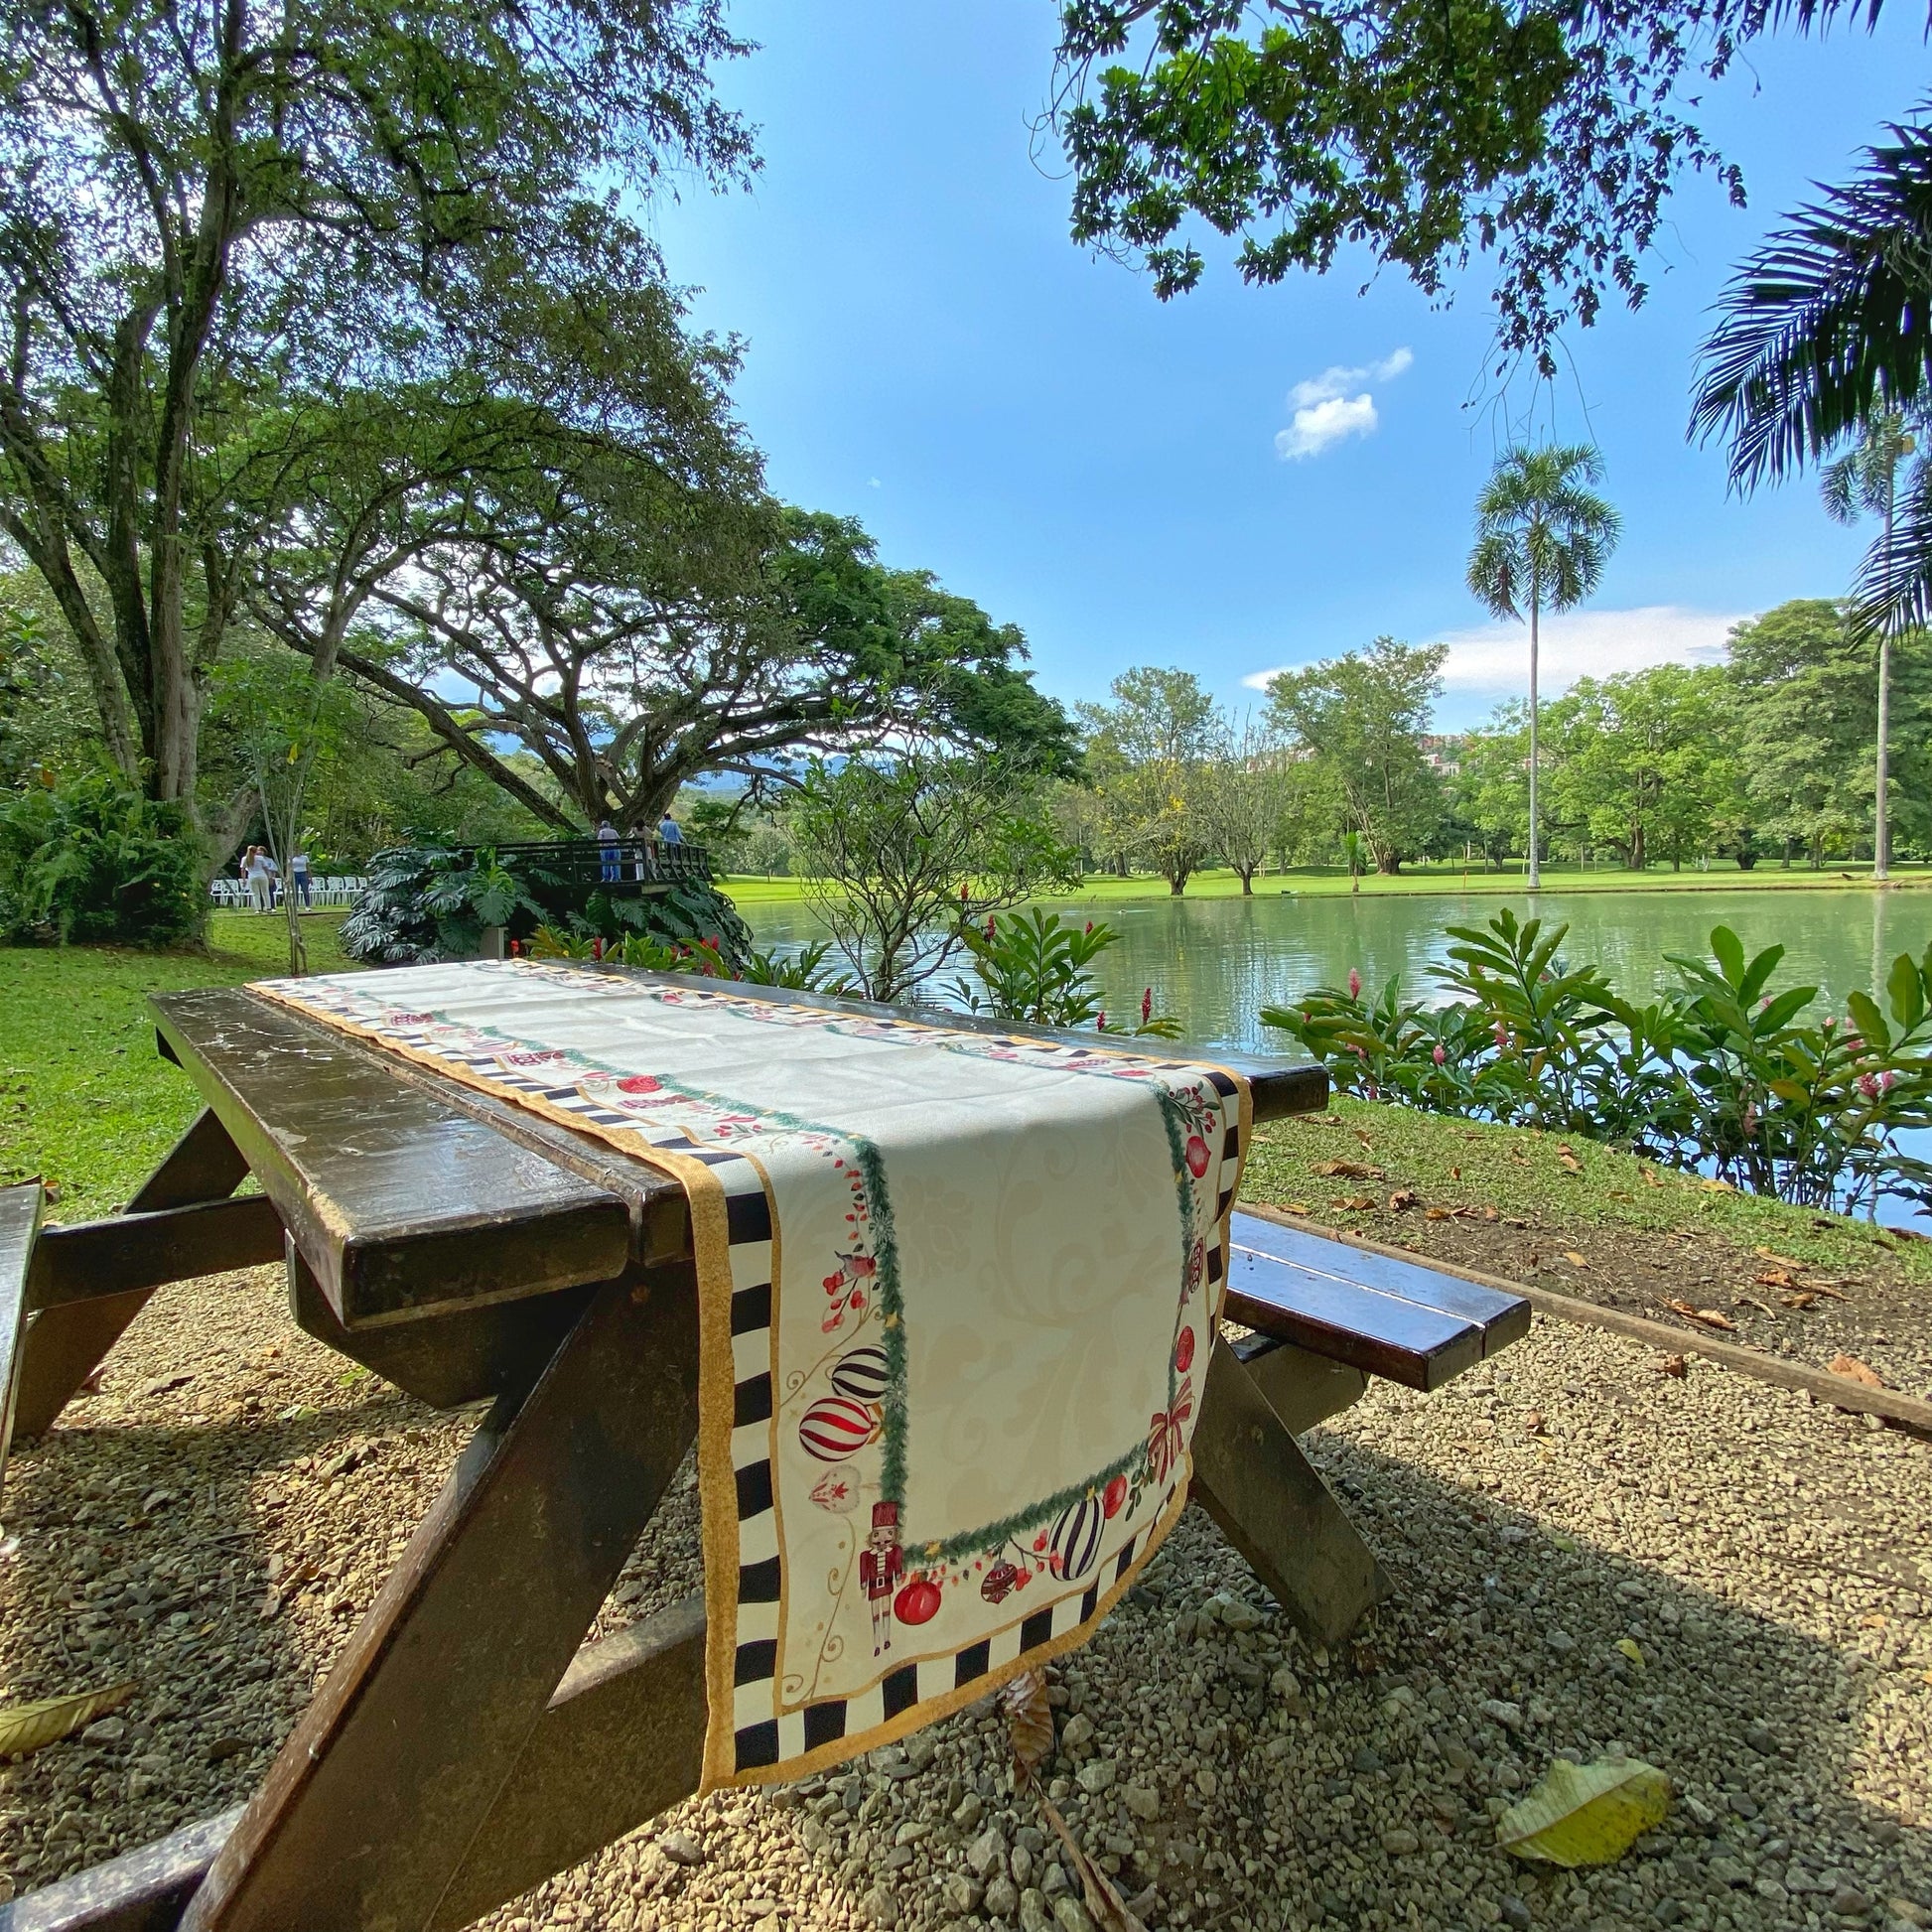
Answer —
1102 888
86 1101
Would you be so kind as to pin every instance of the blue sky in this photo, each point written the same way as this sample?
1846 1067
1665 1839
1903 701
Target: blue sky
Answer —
1198 483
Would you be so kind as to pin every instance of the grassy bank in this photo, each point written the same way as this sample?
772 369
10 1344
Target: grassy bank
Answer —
86 1101
1318 881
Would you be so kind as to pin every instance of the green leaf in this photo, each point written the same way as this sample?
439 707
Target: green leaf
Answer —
28 1727
1905 990
1729 951
1863 1009
1586 1813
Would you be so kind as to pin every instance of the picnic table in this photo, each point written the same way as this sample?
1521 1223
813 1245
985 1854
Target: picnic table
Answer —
467 1745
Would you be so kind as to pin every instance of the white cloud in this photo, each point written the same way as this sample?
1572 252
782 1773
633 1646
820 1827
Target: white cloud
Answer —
1492 659
1325 411
872 483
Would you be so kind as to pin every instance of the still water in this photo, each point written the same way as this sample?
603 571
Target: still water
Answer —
1214 963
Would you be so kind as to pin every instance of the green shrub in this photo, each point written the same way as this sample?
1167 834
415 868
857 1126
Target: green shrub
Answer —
95 860
1720 1074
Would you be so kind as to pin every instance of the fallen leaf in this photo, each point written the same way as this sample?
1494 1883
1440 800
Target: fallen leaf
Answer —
26 1728
1671 1365
1826 1288
1804 1299
1490 1215
1356 1203
1585 1814
1856 1371
1030 1720
1455 1173
1295 1207
1569 1163
1436 1214
1108 1909
1710 1318
1533 1422
1777 1260
1651 1178
1751 1302
1348 1171
1634 1650
1774 1277
1401 1198
1716 1186
1573 1257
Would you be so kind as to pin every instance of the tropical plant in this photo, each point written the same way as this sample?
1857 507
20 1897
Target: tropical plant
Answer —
94 860
1032 969
1722 1074
1542 542
424 904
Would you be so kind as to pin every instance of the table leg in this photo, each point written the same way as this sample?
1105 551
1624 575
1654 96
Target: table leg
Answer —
64 1344
1272 1504
375 1812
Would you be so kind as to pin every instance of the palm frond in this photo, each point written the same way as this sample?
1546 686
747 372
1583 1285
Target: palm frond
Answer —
1830 324
1893 589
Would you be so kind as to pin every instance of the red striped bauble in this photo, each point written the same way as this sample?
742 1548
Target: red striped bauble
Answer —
834 1428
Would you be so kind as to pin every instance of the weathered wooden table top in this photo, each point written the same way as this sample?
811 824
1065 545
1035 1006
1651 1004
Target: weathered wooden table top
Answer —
409 1195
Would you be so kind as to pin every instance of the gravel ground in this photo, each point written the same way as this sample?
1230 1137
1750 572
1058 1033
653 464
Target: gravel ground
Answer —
212 1522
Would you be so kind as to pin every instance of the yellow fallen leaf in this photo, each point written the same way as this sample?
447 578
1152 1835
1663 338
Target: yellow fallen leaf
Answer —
1573 1257
1585 1814
1030 1720
28 1727
1295 1207
1634 1650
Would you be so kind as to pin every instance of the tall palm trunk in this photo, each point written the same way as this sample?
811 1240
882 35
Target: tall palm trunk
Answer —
1536 599
1881 818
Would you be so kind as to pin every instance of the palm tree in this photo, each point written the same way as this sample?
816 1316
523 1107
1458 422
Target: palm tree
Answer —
1864 481
1825 332
1542 542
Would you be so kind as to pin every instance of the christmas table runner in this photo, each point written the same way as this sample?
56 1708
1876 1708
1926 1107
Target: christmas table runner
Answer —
956 1289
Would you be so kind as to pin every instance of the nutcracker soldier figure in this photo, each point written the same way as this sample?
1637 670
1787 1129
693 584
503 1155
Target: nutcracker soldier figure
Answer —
882 1565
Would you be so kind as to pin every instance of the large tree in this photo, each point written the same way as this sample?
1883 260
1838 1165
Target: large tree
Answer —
1362 717
203 209
631 635
1543 539
1807 687
1144 755
1547 134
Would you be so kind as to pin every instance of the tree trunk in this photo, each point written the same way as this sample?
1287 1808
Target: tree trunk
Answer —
1536 599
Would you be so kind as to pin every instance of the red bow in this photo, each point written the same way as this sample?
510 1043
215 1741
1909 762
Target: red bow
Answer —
1163 1435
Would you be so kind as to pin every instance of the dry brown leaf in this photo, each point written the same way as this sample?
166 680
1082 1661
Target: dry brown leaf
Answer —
1774 1277
1573 1257
1030 1720
1671 1365
1348 1171
1455 1173
1751 1302
1436 1214
1854 1370
1108 1909
1826 1288
1804 1298
1710 1318
1569 1163
1295 1208
1490 1215
1355 1202
26 1728
1533 1422
1651 1178
1777 1260
1401 1198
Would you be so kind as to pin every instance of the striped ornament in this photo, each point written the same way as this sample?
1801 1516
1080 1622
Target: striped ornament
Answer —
836 1428
1076 1541
860 1373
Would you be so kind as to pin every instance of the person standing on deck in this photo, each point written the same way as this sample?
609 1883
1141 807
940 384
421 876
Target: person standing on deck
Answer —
610 865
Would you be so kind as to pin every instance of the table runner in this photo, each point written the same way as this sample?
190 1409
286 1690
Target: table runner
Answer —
956 1295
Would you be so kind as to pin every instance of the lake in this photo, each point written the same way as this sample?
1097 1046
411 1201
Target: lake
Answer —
1214 963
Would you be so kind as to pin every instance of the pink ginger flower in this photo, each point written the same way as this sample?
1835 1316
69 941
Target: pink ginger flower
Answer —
1869 1085
1355 983
1146 1004
1439 1057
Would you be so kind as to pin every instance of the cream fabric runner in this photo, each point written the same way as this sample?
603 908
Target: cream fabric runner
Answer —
957 1296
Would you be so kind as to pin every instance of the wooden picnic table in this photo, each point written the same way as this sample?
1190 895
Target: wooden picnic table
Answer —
466 1745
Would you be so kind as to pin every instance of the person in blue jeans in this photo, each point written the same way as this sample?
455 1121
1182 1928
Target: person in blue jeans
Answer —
611 866
669 831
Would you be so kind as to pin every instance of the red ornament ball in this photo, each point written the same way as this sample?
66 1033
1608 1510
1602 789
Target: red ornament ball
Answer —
917 1602
1114 1496
1183 1351
1196 1155
638 1083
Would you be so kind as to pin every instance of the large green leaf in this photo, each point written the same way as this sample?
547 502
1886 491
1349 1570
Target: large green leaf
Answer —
1729 951
1864 1010
1586 1813
1905 990
33 1727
